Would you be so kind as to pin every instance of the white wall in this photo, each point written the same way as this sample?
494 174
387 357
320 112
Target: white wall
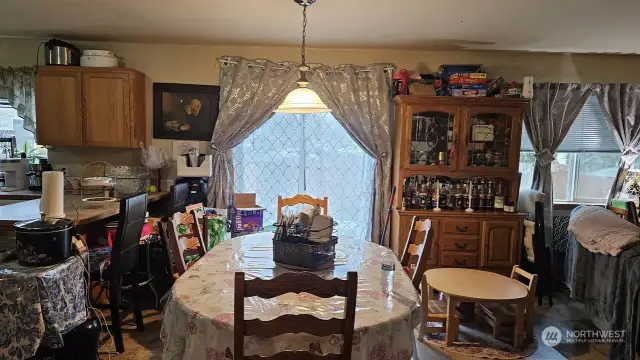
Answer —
197 64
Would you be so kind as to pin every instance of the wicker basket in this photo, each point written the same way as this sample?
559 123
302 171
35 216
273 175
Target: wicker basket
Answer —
299 251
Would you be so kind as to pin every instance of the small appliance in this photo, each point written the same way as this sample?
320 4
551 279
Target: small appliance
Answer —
58 52
197 189
15 174
44 241
35 174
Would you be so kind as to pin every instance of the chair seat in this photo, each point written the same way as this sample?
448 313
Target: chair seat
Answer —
505 314
99 261
437 309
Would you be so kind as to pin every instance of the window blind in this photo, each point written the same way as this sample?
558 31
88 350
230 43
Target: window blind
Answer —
589 132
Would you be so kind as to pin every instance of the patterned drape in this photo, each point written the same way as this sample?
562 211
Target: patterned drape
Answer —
359 99
548 119
250 90
621 106
18 86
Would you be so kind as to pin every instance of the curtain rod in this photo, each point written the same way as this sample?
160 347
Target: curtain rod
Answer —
231 62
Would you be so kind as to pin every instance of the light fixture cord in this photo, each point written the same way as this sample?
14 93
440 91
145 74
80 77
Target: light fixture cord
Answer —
304 33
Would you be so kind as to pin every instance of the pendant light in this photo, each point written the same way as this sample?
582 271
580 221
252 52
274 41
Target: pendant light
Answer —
303 100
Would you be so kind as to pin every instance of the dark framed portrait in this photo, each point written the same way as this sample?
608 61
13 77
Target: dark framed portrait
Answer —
184 111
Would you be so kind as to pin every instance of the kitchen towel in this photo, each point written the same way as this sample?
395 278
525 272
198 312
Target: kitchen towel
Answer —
52 201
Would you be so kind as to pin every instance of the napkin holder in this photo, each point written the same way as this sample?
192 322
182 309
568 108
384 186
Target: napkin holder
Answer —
203 169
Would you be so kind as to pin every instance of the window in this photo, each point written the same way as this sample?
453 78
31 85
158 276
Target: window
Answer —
586 162
11 125
308 154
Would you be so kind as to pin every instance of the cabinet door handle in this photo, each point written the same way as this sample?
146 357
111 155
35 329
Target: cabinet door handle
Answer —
461 228
461 246
460 263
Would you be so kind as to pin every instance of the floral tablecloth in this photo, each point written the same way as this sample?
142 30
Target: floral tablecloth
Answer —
39 305
198 318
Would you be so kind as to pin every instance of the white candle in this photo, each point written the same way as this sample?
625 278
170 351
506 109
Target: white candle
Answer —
437 208
469 209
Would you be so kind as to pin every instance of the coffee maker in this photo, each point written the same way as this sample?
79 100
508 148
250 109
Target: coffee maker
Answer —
35 174
15 174
195 170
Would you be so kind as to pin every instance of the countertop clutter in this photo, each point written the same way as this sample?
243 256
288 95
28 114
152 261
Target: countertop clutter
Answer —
25 210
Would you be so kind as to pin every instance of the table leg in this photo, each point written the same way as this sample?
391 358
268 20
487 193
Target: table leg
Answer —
452 324
530 309
519 330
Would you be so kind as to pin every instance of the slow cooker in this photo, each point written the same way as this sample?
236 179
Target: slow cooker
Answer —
44 241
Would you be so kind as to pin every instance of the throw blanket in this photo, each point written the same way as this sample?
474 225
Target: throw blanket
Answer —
601 231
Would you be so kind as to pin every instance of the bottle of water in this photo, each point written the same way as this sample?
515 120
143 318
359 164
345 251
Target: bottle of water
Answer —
387 266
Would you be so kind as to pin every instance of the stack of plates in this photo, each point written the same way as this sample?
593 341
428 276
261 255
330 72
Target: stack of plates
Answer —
98 58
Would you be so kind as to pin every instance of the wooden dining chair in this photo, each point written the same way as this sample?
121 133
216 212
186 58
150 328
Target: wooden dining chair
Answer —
435 312
295 324
182 241
500 316
416 250
629 212
302 199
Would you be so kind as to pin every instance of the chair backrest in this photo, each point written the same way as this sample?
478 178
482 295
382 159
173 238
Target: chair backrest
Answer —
302 199
178 197
285 324
417 248
181 236
629 212
532 279
124 254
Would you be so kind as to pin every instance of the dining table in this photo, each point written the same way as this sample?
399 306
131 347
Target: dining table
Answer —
198 316
39 304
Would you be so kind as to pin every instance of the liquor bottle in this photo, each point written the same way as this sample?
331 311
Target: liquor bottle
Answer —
406 199
482 196
451 198
490 197
414 195
444 192
434 194
465 197
498 202
474 195
459 196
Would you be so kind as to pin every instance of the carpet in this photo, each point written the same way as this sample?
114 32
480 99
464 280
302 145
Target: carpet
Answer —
476 340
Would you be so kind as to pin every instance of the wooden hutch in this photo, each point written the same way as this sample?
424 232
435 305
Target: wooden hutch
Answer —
459 140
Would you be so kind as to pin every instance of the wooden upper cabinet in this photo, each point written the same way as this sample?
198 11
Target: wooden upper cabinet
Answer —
490 140
107 109
58 109
110 104
431 133
500 244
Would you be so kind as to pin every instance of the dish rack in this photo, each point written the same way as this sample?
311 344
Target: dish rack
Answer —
129 180
97 189
292 248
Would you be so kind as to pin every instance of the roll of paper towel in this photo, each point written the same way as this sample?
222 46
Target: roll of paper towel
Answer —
52 201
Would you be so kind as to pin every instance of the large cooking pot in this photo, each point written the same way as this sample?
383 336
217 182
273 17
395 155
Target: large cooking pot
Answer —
44 241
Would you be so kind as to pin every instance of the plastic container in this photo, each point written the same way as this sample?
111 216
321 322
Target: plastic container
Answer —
301 252
387 268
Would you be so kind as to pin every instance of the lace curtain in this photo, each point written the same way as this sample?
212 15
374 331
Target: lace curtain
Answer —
18 86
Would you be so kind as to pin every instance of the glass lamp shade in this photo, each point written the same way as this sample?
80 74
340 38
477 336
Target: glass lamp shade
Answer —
302 101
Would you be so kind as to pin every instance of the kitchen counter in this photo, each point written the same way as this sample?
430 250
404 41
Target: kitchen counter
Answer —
25 210
20 195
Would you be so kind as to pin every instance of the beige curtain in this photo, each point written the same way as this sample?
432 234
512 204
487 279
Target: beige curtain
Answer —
18 86
359 99
621 106
250 90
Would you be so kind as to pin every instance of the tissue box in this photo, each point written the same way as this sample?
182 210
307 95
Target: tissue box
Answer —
246 215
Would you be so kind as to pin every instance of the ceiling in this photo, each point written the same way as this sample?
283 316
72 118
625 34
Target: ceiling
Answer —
523 25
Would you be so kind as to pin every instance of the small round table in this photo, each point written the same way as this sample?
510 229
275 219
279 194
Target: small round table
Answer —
483 286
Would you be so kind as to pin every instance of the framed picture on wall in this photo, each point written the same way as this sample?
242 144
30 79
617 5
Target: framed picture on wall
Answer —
184 111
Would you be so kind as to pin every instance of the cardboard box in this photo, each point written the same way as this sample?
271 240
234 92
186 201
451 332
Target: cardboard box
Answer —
246 215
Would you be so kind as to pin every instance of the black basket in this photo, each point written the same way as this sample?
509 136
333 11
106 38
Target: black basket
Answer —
299 251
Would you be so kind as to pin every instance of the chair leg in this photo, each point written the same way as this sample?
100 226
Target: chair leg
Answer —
116 326
496 329
135 300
